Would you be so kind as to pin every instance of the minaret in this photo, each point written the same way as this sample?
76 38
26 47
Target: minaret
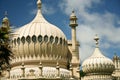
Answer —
75 45
73 25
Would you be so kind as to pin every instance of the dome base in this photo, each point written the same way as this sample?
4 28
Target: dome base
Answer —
98 77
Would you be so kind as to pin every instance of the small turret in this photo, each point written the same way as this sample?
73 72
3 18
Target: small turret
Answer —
5 21
73 20
5 28
115 57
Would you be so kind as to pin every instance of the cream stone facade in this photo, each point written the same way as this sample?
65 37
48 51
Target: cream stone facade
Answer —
116 72
42 52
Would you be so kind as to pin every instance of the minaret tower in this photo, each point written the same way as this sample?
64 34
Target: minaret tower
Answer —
75 44
73 25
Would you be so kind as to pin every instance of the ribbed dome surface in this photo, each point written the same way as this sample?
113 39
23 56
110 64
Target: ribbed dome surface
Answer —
39 39
39 26
98 63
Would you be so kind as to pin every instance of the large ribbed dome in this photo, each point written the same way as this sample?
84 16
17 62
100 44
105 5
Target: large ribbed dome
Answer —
39 39
98 63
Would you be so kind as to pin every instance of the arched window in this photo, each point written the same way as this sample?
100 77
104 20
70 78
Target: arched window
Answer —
34 38
64 42
14 41
40 38
60 40
46 38
56 40
23 40
18 40
28 39
51 39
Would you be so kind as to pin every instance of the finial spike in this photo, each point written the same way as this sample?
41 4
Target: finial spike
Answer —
97 40
39 3
6 14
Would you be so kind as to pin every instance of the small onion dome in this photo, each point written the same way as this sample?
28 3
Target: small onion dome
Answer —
40 39
73 16
5 18
73 20
98 63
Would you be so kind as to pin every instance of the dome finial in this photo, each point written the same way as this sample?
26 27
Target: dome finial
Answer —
97 40
39 3
5 19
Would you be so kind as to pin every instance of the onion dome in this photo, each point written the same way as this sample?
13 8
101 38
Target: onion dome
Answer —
98 63
39 39
73 15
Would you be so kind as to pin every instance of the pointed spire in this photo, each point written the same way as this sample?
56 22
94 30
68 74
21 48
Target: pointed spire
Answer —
115 53
39 4
5 21
5 18
97 40
6 14
115 57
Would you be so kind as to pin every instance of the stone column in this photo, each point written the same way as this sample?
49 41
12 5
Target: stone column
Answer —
58 70
8 70
71 72
78 71
41 69
23 70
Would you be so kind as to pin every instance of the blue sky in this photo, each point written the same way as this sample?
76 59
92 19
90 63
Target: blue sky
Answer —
100 17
